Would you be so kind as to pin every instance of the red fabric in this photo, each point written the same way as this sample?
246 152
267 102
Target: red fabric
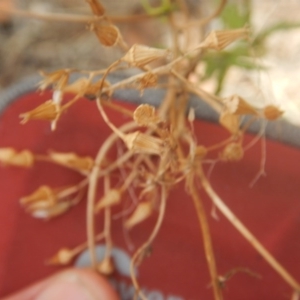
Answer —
271 210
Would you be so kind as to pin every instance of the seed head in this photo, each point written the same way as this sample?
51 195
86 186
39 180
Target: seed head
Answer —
144 115
62 257
58 79
143 143
9 156
48 111
52 212
220 39
112 197
230 121
42 194
83 86
142 212
272 113
139 55
236 105
106 266
108 35
147 81
232 152
200 152
96 7
72 161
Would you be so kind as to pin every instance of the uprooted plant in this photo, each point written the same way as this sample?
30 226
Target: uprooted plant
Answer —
160 147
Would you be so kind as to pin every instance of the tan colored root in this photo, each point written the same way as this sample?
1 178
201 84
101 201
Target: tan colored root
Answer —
138 255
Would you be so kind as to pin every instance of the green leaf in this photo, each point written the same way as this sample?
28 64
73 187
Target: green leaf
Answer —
165 7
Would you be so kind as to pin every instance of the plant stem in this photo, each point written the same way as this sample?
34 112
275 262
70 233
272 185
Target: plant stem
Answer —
92 188
246 233
137 255
72 18
208 247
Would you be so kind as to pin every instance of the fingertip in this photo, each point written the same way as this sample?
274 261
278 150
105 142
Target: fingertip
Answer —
71 284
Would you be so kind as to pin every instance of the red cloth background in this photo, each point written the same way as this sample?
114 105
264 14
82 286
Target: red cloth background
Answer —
271 210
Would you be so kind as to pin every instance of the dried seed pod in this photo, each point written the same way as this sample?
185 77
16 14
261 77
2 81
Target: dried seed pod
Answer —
72 161
112 197
84 87
63 257
230 122
43 193
143 143
42 204
9 156
236 105
147 81
48 111
58 79
200 152
142 212
272 113
106 266
220 39
139 55
108 35
52 212
144 115
232 152
96 7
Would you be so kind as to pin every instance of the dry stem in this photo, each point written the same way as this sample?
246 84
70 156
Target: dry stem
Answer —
71 18
143 249
208 247
246 233
93 182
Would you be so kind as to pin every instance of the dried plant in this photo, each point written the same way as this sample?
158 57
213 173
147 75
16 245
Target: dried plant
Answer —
161 150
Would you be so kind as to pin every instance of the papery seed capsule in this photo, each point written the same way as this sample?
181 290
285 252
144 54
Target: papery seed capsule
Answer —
232 152
272 113
142 212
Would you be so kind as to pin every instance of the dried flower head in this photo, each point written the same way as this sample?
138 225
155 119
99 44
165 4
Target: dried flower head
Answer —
232 152
236 105
48 111
147 81
51 212
108 35
58 79
272 113
144 115
9 156
144 143
106 266
139 55
42 194
220 39
84 87
72 161
230 121
142 212
96 7
63 257
112 197
201 151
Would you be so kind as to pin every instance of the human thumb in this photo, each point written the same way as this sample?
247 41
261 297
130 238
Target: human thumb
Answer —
72 284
